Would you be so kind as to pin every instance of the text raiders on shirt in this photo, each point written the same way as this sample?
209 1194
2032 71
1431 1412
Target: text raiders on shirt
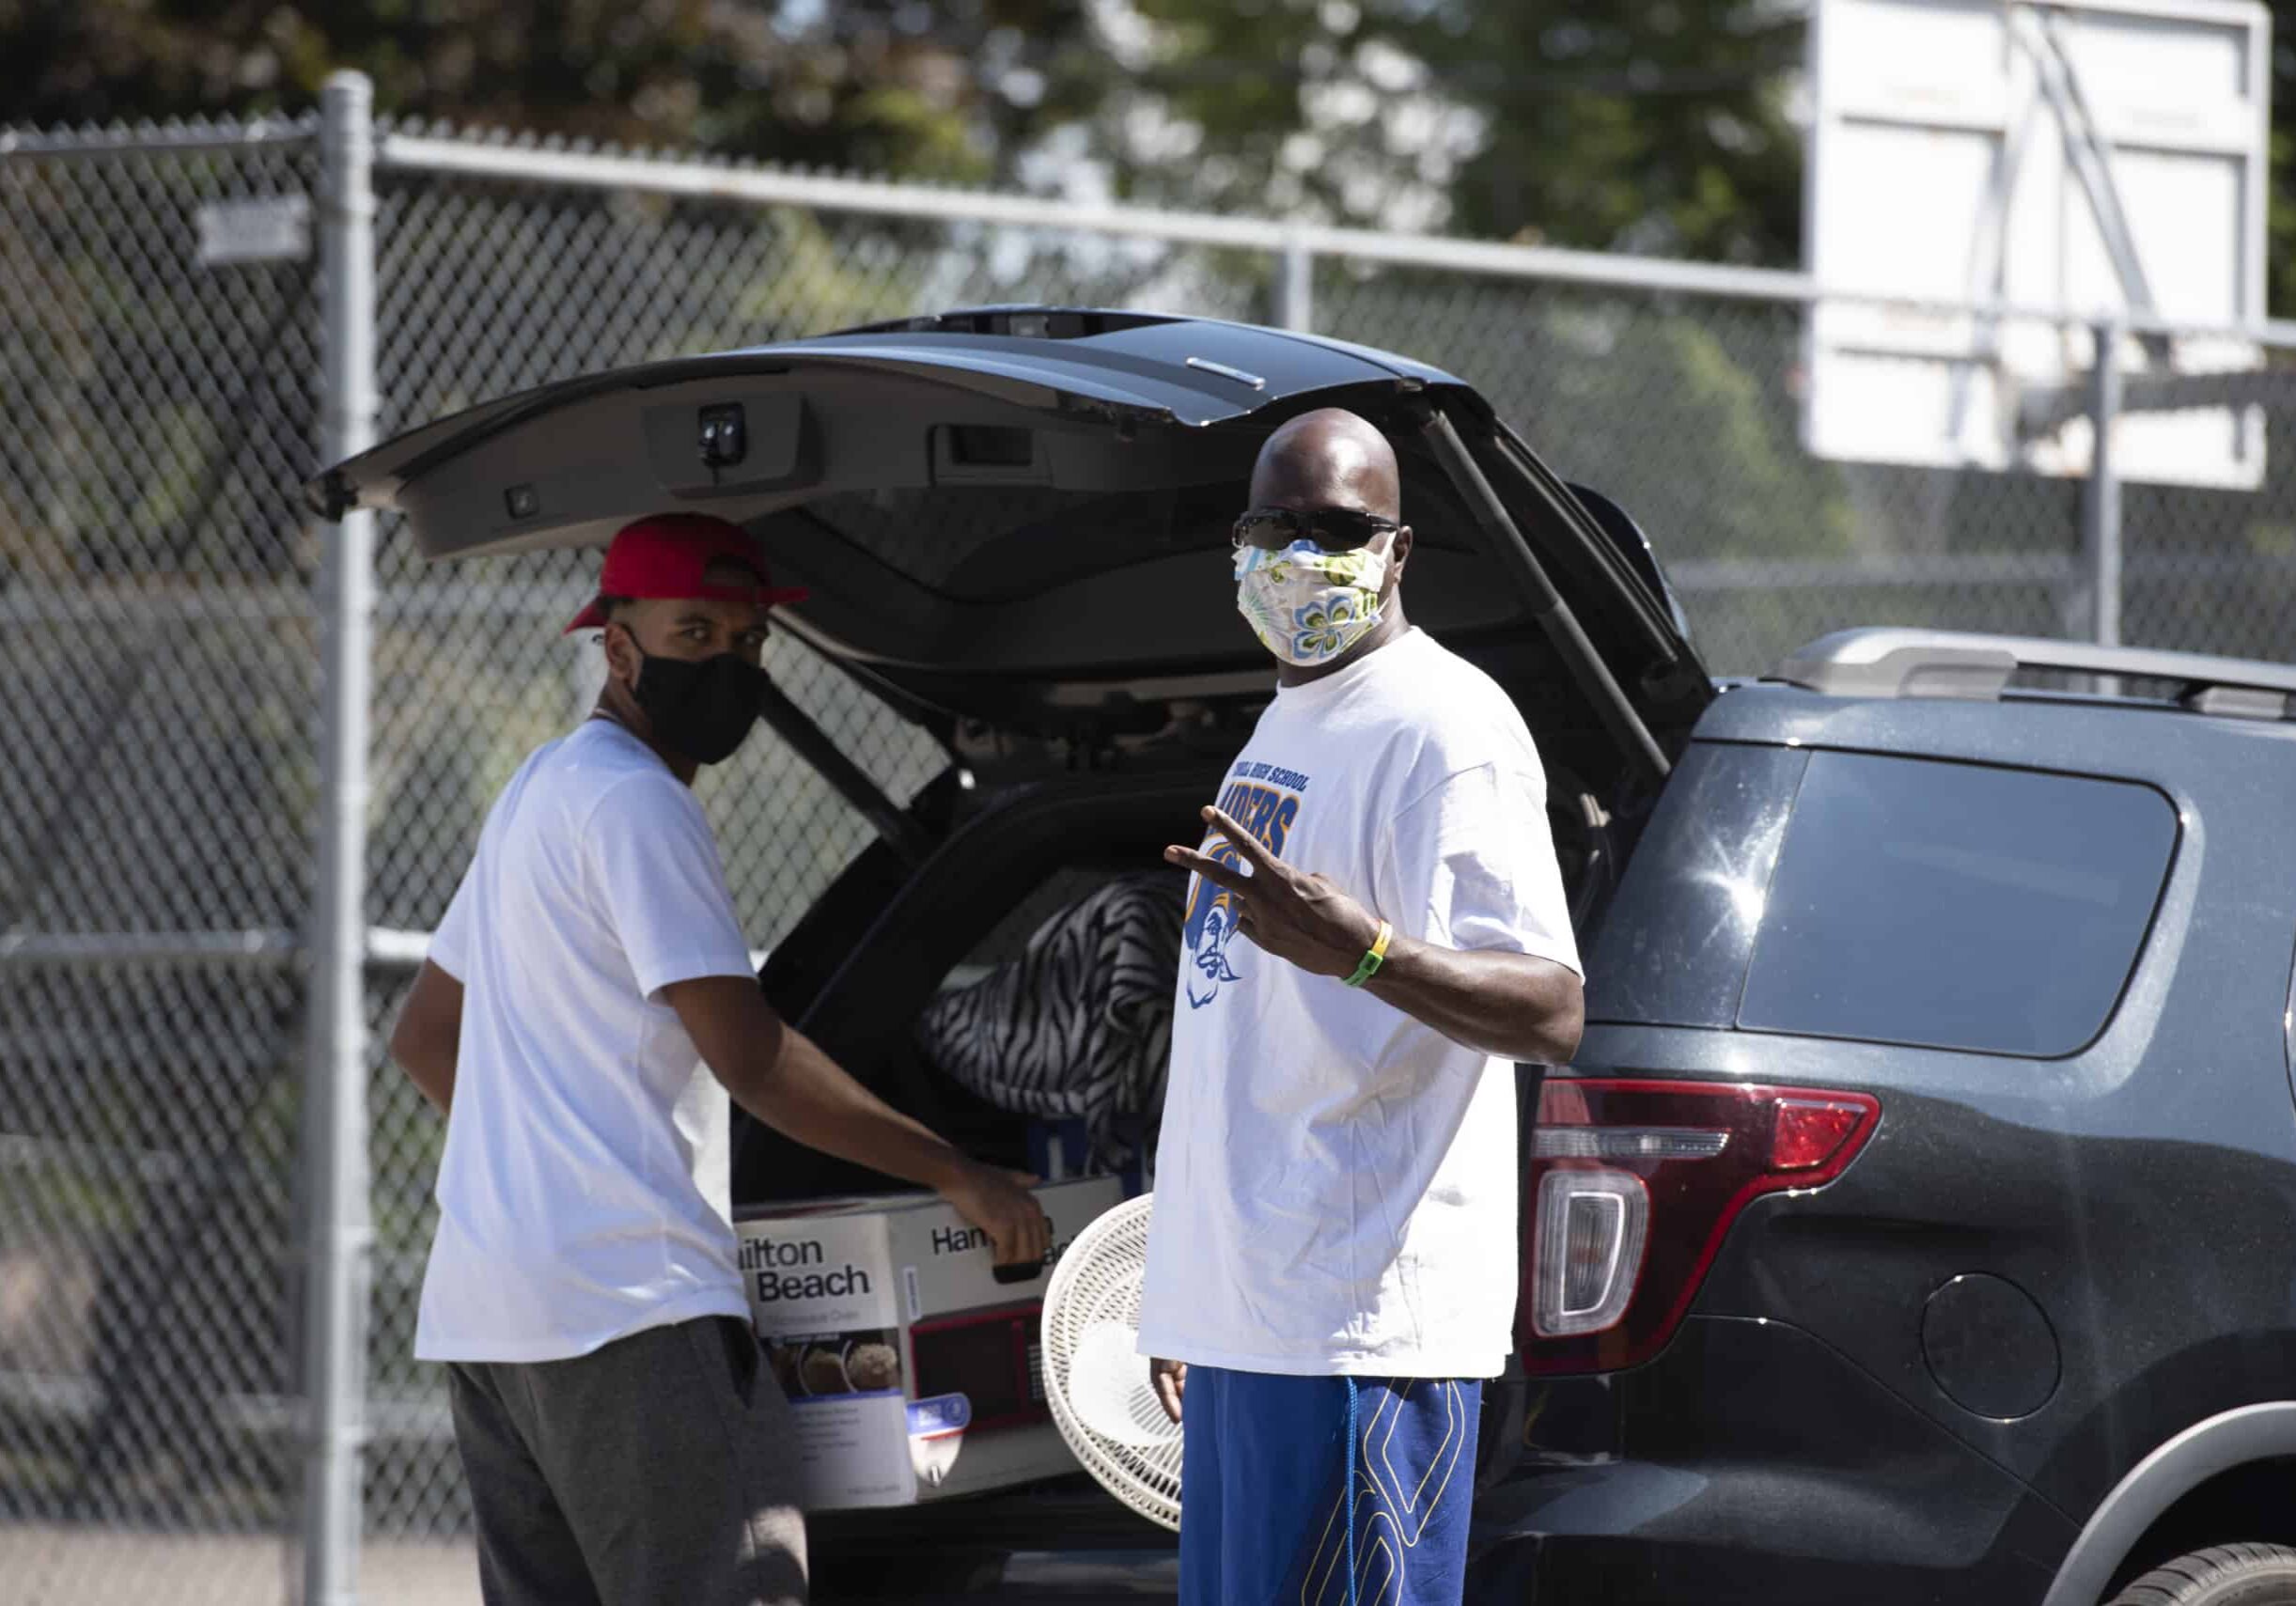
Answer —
1265 799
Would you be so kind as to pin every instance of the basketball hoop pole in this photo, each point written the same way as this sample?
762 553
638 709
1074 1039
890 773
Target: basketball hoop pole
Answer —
2090 156
2100 497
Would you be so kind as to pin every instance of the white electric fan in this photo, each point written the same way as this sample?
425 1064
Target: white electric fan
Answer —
1095 1376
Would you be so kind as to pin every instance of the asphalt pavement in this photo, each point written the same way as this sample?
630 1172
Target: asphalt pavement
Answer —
1047 1578
56 1565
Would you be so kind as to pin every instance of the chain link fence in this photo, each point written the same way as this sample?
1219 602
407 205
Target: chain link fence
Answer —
162 793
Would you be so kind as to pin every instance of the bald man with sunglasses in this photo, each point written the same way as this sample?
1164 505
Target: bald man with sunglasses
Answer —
1376 933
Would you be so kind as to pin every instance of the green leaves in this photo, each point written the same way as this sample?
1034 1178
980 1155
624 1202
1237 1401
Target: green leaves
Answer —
880 84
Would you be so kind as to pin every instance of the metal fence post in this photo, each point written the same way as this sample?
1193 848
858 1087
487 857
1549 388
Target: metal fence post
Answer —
2100 496
1295 286
334 1091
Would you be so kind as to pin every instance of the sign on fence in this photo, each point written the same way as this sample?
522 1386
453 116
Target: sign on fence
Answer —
271 228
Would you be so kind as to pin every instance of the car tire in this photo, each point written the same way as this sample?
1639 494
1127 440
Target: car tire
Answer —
2226 1575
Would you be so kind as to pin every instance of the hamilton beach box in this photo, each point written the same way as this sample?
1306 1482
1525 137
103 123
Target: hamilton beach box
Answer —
913 1373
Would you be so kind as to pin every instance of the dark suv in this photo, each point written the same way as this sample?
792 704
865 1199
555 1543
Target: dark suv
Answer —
1919 1222
1926 1186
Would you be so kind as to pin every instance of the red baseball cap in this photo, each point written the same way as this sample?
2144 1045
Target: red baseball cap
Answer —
665 554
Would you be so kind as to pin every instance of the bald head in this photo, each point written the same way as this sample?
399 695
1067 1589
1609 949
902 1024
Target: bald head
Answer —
1328 458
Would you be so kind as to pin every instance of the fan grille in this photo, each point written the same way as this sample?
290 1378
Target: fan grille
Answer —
1098 1384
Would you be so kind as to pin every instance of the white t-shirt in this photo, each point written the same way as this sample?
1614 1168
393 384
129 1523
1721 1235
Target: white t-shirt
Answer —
584 1192
1336 1183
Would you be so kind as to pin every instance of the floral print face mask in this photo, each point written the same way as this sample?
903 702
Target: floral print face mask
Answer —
1306 605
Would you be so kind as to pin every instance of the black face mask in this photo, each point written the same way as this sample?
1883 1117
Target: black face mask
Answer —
701 708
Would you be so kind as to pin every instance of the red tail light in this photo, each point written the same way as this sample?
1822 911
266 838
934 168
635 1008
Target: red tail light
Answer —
1632 1186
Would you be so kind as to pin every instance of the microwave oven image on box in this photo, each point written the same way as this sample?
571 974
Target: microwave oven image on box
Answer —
993 1358
914 1370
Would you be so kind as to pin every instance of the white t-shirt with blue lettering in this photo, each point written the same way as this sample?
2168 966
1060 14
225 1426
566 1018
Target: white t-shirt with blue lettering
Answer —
1336 1184
584 1191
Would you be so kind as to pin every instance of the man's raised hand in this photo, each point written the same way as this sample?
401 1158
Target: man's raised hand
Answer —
1303 918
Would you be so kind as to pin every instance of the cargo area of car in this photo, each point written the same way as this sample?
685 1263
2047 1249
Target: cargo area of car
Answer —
893 938
1050 601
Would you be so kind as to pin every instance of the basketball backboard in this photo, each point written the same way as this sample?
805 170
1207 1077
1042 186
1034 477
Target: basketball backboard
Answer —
2082 159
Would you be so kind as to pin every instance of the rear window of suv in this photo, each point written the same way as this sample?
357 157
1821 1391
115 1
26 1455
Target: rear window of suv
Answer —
1884 900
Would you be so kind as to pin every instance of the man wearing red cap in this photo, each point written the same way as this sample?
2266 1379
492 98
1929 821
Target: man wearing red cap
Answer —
586 996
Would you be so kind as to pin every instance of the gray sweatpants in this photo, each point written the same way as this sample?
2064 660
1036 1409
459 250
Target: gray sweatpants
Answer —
654 1471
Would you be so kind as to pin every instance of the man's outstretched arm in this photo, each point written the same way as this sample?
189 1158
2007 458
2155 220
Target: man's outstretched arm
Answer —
1516 1005
778 1075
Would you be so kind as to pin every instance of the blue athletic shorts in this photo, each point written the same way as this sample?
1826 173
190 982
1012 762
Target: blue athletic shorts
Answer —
1263 1509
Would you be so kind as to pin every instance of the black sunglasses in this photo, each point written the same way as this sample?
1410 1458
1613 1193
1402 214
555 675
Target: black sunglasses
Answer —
1334 529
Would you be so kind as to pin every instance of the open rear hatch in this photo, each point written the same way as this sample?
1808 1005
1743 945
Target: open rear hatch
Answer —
1015 521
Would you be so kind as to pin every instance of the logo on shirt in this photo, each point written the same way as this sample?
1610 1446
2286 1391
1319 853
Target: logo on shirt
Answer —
1265 801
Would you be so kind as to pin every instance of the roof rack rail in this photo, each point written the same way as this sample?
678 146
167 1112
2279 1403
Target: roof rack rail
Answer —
1888 662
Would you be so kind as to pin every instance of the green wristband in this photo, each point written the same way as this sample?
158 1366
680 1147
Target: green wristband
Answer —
1373 958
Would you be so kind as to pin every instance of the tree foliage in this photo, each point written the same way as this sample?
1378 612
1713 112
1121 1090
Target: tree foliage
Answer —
1654 126
888 85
